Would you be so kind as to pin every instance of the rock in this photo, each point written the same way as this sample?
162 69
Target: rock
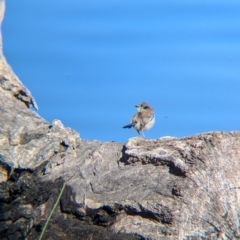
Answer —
165 188
8 80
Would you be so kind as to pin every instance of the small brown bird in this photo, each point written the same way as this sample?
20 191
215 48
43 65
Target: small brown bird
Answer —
143 120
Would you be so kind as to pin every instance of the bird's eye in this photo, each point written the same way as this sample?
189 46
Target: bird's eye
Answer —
145 107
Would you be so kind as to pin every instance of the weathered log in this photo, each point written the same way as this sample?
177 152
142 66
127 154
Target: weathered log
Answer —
165 188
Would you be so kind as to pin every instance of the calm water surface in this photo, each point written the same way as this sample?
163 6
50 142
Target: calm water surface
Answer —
89 63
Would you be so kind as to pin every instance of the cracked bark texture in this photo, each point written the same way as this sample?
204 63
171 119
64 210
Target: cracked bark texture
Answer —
166 188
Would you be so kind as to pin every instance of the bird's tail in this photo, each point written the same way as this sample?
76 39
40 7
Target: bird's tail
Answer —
130 125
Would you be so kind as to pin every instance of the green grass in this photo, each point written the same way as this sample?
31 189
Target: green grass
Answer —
51 213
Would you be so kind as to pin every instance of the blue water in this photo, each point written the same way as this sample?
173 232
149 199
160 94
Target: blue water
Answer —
89 63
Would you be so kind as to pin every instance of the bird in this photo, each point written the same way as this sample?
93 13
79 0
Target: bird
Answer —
143 120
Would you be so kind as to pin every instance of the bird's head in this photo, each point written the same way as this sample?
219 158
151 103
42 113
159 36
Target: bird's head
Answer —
143 106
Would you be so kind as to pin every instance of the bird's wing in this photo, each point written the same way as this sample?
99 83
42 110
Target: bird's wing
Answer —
145 117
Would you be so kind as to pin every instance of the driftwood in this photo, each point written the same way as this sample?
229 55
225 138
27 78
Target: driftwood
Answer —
166 188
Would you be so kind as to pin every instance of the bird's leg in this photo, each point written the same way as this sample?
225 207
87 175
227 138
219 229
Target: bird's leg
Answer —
142 134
